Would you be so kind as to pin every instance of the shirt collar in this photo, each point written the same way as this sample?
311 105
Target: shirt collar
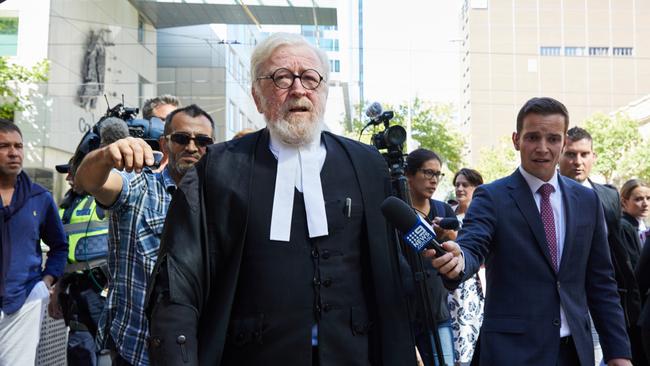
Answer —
167 180
587 184
642 226
534 183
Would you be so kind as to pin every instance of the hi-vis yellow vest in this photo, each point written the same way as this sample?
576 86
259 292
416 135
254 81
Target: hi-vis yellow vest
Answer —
87 233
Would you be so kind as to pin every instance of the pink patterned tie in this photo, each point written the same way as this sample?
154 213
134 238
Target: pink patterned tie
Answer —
549 222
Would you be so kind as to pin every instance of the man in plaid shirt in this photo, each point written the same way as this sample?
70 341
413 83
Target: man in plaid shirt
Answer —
119 177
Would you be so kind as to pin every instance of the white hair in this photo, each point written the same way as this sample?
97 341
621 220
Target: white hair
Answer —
265 49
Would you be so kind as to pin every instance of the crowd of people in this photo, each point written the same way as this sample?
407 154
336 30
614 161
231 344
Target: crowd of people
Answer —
271 249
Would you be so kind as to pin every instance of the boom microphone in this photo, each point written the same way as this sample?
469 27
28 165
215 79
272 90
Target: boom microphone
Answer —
415 231
113 129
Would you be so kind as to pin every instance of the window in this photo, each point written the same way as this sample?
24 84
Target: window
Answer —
549 51
574 51
335 65
141 86
8 36
232 108
308 32
232 62
329 44
140 30
622 51
242 120
598 51
241 75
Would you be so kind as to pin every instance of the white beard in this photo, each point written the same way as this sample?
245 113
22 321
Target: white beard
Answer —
298 133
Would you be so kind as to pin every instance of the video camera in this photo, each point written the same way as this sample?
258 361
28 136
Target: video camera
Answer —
148 130
121 112
391 139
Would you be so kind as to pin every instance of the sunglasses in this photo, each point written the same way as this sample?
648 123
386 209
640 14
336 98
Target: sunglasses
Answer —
185 138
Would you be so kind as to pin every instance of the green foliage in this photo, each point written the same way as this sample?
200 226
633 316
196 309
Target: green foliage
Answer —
17 86
498 161
618 147
8 25
634 164
432 125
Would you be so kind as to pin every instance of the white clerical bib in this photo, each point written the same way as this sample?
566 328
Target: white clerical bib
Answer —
298 167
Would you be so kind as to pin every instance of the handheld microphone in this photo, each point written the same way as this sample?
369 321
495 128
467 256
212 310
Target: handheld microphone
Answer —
415 231
449 223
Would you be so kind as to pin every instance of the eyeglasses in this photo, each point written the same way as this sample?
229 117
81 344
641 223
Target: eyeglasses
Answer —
430 174
284 78
185 138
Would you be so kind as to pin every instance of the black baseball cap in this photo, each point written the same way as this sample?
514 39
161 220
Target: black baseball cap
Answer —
63 168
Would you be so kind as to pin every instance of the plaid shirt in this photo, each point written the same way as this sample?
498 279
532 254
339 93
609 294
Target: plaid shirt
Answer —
136 225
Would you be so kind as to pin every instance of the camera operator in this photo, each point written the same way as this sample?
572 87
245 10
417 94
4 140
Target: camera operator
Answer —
77 297
138 205
423 172
160 107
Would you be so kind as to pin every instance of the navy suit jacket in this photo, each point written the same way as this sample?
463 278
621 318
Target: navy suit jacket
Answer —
521 326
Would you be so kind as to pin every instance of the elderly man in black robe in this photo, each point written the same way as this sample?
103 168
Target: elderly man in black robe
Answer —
274 250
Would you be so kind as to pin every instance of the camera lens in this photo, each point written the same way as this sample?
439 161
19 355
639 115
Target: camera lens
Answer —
395 135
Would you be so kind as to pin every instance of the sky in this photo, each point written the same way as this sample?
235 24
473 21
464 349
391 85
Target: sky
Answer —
412 49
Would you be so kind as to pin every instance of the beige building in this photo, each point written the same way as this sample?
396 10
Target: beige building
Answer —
593 55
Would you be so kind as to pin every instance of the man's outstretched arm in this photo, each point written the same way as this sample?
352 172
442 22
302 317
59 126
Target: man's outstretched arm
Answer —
95 176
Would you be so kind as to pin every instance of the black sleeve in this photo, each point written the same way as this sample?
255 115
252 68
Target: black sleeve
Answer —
643 270
630 241
177 286
449 212
440 209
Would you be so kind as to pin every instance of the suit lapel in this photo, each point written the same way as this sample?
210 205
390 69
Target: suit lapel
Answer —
521 194
570 199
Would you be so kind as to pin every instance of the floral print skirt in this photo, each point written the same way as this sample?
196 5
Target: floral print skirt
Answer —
466 309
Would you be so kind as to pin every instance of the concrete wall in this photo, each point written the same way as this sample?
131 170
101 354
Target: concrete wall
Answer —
505 64
58 30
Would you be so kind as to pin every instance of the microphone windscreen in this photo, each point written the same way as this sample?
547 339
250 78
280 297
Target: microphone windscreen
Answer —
399 213
113 129
374 110
449 223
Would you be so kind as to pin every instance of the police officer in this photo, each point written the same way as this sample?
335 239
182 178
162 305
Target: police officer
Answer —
79 296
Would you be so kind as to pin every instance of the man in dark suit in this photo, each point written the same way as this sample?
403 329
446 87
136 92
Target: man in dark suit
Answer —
541 238
576 162
274 250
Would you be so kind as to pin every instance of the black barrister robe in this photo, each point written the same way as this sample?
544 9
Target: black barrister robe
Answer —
193 285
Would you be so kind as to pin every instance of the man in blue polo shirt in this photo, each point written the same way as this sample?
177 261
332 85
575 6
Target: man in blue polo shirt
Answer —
28 215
